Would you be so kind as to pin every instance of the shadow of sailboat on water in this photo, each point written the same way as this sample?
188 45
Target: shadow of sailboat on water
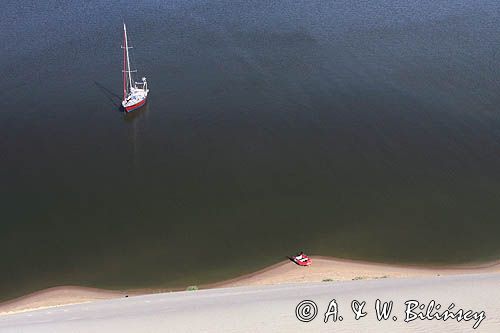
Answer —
112 97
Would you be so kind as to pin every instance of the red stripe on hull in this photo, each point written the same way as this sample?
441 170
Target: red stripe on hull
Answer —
135 106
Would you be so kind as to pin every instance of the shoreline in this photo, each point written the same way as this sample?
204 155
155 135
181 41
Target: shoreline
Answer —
323 269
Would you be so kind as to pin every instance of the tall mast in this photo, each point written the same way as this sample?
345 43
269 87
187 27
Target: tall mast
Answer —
124 62
128 59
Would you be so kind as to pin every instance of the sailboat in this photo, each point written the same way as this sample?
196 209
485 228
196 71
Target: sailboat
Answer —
135 94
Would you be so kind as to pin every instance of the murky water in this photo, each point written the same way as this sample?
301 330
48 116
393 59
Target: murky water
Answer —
355 129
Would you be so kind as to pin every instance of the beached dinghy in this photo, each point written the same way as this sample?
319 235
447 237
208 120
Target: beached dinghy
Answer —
301 259
135 94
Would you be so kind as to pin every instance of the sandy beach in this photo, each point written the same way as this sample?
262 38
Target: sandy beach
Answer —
323 269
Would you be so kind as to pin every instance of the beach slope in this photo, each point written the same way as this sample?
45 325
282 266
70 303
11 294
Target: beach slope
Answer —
323 269
273 308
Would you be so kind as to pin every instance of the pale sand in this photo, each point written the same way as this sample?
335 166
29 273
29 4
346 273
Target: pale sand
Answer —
322 269
327 268
57 296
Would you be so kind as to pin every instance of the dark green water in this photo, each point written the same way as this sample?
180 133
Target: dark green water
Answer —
354 129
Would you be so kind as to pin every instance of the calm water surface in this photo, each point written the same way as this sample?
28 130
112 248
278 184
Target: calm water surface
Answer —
359 129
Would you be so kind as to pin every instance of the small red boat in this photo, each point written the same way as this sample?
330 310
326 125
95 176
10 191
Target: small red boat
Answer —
135 94
301 259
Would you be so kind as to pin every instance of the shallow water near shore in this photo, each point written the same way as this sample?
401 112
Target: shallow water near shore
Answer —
366 131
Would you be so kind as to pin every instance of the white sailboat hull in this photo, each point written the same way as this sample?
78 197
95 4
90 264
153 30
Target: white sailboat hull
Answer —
135 99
